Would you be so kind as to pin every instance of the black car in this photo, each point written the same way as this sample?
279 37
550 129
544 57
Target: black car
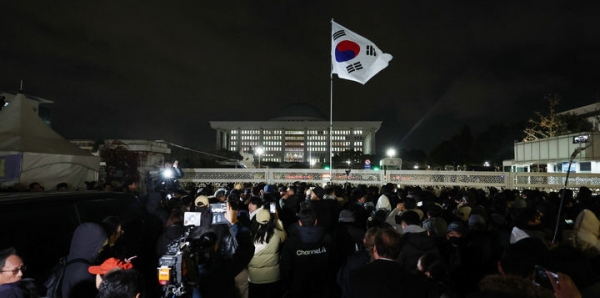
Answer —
40 225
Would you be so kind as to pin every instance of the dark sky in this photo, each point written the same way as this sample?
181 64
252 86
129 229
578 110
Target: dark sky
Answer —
164 69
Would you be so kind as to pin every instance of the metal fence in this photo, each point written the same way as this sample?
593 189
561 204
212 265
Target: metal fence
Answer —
507 180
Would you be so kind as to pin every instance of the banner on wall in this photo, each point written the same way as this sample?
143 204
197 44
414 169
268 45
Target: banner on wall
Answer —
10 167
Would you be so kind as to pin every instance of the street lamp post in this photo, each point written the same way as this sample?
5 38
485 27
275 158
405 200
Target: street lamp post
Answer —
259 151
348 170
390 152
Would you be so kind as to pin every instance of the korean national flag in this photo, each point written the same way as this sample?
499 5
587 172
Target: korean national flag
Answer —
354 57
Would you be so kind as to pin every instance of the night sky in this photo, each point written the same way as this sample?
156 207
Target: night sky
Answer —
164 69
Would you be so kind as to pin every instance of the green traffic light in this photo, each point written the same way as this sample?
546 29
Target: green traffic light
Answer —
326 168
375 168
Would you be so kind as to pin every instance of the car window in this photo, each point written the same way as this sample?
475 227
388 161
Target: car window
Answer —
127 209
95 210
41 232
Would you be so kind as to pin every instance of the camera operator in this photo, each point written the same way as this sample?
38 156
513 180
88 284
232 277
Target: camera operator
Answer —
169 176
235 250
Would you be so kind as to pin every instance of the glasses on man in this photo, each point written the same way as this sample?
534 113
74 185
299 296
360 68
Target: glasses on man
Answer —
16 270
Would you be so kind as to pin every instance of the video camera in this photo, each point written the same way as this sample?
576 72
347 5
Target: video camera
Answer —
181 267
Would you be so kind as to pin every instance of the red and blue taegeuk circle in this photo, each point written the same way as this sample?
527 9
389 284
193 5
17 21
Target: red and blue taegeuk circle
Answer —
346 50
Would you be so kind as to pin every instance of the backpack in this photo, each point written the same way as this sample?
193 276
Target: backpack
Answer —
53 283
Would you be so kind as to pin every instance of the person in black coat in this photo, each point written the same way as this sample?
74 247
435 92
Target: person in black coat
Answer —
289 205
235 250
384 277
173 230
356 260
415 241
308 265
348 237
170 174
327 210
357 204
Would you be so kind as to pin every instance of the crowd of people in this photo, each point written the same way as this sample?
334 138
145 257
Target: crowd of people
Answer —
304 240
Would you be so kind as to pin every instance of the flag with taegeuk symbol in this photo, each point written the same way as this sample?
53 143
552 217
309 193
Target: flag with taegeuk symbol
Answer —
354 57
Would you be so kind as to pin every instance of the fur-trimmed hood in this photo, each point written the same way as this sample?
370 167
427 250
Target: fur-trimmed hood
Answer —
511 286
587 230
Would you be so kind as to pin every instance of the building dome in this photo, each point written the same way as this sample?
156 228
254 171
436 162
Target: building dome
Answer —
299 112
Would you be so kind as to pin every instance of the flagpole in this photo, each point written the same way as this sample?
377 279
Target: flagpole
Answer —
330 127
331 115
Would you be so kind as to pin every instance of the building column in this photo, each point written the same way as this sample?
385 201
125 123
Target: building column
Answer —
218 143
368 142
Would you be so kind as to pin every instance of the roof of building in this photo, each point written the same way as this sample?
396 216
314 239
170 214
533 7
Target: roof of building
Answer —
299 112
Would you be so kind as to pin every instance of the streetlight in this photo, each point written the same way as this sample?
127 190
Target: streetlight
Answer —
259 151
391 152
348 170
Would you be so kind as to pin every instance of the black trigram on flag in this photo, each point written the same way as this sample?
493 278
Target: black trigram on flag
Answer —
354 67
339 34
371 51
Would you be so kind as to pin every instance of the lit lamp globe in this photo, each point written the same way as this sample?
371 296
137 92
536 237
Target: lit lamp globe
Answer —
391 152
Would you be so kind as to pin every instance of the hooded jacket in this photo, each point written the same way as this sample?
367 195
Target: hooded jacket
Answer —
85 247
586 233
415 243
496 286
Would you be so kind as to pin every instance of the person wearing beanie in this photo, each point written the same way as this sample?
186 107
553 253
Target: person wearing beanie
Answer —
329 193
220 196
318 193
435 224
327 210
415 241
477 222
348 236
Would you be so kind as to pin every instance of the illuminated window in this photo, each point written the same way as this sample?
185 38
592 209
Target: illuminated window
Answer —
294 132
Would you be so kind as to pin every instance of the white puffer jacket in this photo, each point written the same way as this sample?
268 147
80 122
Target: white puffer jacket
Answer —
586 233
264 266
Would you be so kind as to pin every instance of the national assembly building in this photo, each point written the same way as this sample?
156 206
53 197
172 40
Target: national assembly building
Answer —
299 134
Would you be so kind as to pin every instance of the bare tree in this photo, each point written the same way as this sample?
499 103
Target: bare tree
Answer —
544 126
121 163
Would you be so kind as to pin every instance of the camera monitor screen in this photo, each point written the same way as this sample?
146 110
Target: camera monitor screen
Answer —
191 219
581 139
218 213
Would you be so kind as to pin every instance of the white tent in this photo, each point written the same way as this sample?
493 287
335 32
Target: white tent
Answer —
30 151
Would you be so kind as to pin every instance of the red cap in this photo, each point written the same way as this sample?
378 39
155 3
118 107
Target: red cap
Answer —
110 264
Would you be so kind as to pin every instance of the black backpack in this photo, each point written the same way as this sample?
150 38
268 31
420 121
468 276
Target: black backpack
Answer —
53 283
